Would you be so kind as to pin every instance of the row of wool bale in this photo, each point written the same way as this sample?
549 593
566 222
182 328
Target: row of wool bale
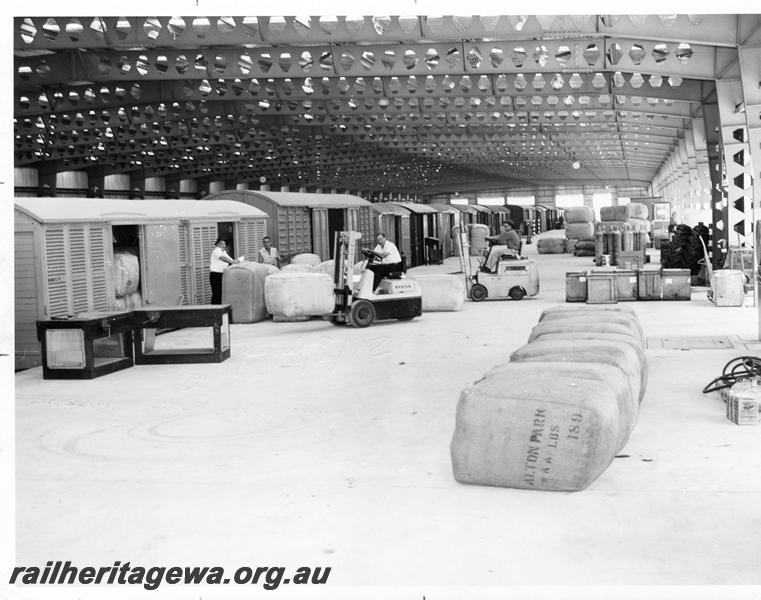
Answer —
125 277
579 222
555 416
304 289
300 289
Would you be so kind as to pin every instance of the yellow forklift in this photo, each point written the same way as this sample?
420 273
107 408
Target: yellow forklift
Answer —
357 303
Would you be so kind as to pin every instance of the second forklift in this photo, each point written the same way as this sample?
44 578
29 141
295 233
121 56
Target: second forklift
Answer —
513 276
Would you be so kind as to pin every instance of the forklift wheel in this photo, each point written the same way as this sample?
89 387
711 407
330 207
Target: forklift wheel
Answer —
517 293
478 292
336 320
361 314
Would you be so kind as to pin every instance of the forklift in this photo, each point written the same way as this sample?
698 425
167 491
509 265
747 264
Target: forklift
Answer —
357 304
513 275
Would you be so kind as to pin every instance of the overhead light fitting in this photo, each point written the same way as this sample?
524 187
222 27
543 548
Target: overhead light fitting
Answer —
576 165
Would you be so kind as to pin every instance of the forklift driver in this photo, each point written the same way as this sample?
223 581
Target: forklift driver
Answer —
391 261
506 242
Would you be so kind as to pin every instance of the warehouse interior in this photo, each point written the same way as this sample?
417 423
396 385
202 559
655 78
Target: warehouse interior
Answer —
315 444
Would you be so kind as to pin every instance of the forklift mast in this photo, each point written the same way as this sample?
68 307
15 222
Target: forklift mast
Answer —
344 248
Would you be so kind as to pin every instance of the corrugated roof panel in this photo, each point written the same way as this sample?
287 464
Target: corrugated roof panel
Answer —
47 210
416 208
390 208
293 198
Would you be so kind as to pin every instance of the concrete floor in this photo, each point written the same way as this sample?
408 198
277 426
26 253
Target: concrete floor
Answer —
319 445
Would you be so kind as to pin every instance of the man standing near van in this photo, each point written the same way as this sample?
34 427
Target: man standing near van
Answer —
269 255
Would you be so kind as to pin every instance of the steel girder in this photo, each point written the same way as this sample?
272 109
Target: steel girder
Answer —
454 59
408 86
148 32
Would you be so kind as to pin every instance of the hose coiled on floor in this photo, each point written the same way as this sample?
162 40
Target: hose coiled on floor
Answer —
737 369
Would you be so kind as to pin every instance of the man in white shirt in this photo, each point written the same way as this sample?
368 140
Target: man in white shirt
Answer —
391 261
269 255
217 264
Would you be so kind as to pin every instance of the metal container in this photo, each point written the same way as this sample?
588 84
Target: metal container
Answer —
649 285
576 287
601 288
676 284
626 285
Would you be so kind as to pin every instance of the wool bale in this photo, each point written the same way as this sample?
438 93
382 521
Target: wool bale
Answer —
125 272
243 290
570 245
441 291
298 268
478 235
579 214
633 210
550 245
580 231
594 322
519 428
135 300
585 244
299 294
327 266
306 258
563 308
119 304
600 313
616 334
618 354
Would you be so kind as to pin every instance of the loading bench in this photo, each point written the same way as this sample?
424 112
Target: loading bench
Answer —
148 319
93 344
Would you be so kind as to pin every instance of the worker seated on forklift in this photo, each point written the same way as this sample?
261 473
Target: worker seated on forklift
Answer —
507 242
391 260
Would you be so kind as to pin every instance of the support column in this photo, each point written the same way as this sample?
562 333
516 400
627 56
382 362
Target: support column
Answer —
46 179
96 182
750 70
588 194
545 197
715 170
137 185
172 186
734 137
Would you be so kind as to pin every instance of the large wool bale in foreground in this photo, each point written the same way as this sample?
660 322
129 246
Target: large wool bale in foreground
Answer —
243 290
125 272
633 210
306 258
478 235
518 427
579 214
298 268
295 294
441 291
580 231
551 245
617 354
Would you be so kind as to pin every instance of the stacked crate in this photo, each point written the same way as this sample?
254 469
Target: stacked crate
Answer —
554 416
